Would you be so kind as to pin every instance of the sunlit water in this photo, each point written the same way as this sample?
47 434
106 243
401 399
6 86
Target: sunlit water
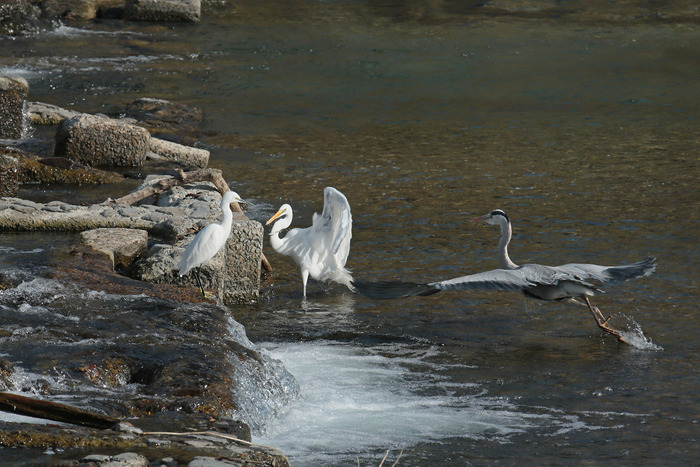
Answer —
585 133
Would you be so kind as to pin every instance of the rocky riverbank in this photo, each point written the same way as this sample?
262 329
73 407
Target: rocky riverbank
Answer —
130 247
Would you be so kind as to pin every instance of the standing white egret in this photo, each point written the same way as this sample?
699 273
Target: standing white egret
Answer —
551 283
209 240
321 250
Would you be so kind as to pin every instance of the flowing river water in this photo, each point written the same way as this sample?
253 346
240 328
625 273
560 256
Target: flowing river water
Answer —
425 115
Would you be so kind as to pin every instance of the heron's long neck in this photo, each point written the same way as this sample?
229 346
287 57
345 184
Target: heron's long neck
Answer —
280 245
277 243
226 217
506 233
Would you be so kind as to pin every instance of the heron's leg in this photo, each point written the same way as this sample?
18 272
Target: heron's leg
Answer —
602 322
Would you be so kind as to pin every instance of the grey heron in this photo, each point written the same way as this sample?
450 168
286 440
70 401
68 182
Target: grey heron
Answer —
322 249
209 240
568 282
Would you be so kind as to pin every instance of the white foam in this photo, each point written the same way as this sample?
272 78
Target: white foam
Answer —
354 401
635 337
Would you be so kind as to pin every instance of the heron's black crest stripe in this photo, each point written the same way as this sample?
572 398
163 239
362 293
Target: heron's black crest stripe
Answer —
498 212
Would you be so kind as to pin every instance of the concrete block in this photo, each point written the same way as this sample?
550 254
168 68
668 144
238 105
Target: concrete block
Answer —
13 94
101 141
243 261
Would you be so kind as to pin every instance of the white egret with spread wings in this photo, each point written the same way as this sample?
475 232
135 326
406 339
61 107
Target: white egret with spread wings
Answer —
569 282
321 250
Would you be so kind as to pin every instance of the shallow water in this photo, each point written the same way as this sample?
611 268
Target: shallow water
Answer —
586 133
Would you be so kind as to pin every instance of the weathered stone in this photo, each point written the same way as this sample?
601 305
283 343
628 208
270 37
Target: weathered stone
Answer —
13 93
177 154
163 10
122 246
96 141
9 182
14 216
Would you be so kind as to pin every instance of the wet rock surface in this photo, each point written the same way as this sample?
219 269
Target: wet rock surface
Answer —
167 438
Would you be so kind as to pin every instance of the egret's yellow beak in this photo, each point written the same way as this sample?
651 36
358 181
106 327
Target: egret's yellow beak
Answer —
277 214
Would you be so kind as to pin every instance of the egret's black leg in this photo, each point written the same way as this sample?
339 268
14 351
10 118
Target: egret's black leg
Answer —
199 281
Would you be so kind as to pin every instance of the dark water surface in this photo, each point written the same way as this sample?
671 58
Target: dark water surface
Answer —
585 132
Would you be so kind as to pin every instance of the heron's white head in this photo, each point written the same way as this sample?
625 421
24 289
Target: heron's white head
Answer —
495 217
283 217
230 197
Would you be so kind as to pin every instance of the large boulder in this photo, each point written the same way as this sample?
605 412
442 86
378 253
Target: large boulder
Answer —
13 93
187 11
100 141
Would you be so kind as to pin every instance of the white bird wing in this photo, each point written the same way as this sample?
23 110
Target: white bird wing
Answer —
335 224
203 247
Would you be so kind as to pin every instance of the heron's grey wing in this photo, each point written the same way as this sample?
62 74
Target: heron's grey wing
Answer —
336 221
496 279
522 277
610 274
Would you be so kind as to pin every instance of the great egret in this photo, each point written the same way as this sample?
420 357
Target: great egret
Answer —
551 283
321 250
209 240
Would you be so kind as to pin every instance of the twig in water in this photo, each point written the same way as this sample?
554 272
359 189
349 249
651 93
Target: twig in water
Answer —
384 458
397 459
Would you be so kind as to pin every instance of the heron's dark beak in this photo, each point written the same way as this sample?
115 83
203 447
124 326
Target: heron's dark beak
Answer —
273 218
